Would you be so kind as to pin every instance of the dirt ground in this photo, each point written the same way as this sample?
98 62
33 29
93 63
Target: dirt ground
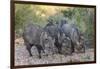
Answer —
22 56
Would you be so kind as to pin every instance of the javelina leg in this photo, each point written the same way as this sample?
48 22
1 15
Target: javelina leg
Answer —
39 48
83 49
78 49
72 47
42 49
28 47
70 53
58 46
59 49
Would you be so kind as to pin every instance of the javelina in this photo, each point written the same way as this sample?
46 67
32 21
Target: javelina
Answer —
31 36
73 33
53 31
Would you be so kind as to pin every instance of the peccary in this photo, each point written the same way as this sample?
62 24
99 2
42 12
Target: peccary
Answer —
53 31
34 35
31 36
73 33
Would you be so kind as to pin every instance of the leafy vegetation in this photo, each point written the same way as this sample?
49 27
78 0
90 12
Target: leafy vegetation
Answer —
83 18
